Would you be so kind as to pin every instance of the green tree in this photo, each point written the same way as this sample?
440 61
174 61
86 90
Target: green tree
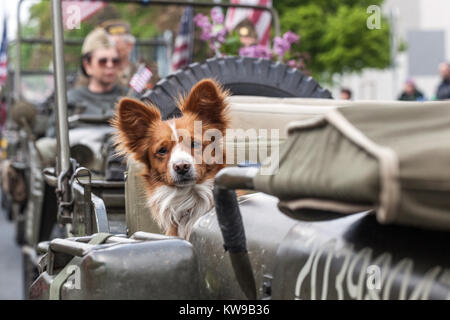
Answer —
145 22
334 35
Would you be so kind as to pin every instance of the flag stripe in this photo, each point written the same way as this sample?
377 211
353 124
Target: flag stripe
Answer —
263 27
181 48
261 19
181 55
180 64
140 79
4 54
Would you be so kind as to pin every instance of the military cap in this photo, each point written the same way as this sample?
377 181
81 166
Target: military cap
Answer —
96 39
116 27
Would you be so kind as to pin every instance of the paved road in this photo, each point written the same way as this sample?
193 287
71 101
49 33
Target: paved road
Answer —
10 262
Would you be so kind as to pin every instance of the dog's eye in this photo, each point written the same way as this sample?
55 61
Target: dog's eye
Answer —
162 151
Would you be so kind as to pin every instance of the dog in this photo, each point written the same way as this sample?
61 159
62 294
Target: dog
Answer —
178 186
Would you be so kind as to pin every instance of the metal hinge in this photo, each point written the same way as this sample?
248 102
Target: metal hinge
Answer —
267 287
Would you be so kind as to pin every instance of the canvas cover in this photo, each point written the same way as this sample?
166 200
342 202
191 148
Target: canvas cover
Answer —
393 158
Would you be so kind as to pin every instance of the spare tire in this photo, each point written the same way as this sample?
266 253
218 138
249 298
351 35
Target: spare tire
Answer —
241 75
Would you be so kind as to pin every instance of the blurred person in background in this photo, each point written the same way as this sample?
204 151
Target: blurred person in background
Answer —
120 33
443 90
124 41
410 92
247 33
346 94
100 64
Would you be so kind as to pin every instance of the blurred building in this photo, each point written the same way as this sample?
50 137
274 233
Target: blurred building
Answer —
425 27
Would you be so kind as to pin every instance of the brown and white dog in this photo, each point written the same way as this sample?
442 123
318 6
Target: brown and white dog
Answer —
178 185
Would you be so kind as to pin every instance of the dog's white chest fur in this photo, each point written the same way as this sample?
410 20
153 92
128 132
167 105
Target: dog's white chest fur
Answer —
181 206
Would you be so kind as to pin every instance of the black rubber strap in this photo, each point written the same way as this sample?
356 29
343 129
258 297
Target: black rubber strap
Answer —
230 220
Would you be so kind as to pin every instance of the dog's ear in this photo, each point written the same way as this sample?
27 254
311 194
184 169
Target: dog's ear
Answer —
207 100
132 121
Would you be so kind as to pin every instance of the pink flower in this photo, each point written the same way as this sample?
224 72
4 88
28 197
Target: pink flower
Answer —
221 35
246 51
205 36
256 51
215 34
263 52
281 46
291 37
202 21
211 32
292 63
297 64
217 16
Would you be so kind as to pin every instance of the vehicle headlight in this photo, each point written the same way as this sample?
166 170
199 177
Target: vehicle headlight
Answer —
83 155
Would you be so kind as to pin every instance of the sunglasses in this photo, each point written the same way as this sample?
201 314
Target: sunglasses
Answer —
102 62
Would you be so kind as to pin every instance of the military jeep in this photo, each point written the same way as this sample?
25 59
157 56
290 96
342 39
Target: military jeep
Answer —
315 227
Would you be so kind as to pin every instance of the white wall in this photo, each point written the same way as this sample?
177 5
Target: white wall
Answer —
416 15
435 15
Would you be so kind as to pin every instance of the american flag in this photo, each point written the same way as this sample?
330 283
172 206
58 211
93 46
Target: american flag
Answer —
260 19
139 80
182 52
4 55
75 12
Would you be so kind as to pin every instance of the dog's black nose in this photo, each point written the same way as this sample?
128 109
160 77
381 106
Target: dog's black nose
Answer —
181 167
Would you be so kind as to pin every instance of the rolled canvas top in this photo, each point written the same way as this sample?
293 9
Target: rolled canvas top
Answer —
392 158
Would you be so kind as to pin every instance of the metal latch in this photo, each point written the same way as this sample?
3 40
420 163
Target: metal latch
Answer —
267 287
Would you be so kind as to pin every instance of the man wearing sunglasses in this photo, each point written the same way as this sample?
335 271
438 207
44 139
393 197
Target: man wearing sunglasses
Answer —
100 63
